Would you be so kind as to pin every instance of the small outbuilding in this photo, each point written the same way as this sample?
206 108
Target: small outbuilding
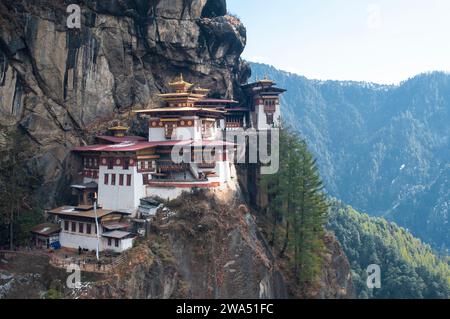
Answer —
46 235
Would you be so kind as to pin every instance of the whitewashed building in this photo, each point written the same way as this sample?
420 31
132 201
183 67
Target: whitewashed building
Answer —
120 170
79 228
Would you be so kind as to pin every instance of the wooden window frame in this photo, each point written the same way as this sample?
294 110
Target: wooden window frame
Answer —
110 163
126 164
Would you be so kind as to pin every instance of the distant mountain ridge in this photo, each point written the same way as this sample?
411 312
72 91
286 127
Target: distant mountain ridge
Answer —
384 149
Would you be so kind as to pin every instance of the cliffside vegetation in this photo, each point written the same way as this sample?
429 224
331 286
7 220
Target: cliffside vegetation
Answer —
19 207
298 209
409 268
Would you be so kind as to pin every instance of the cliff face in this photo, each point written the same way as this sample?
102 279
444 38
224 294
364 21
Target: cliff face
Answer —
200 247
59 85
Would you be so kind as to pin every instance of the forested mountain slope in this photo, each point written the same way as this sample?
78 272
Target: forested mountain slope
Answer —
409 269
382 149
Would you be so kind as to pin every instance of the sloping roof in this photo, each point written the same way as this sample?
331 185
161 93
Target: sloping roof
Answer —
117 140
46 229
132 147
211 143
114 225
71 211
179 109
116 234
91 185
217 101
121 147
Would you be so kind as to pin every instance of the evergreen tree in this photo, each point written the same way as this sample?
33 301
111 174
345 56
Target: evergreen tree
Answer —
297 201
17 185
410 269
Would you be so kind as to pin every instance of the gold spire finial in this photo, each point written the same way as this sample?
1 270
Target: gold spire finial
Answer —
119 130
266 79
180 85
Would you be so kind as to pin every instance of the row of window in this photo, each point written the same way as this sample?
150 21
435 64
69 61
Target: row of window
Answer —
91 174
116 242
86 228
118 161
90 162
146 165
270 102
83 228
113 180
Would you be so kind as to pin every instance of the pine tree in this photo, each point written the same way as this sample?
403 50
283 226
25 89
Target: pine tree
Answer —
297 201
17 185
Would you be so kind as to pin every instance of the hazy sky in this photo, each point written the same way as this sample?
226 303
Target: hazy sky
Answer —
383 41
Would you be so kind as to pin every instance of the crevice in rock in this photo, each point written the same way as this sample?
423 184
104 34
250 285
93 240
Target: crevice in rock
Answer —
3 68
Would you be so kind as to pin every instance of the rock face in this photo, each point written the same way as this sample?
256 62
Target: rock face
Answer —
199 248
60 85
336 281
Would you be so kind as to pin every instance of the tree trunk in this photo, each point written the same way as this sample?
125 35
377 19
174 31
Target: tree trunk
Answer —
274 229
286 241
11 229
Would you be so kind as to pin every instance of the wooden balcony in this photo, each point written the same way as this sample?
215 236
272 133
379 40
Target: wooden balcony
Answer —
168 166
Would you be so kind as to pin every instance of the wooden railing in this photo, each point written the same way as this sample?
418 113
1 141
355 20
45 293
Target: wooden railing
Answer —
169 166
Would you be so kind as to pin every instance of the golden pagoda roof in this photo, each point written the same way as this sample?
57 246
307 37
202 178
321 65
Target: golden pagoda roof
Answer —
266 80
118 128
181 85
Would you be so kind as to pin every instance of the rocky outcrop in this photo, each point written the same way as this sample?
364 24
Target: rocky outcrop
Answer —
60 85
336 281
200 248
